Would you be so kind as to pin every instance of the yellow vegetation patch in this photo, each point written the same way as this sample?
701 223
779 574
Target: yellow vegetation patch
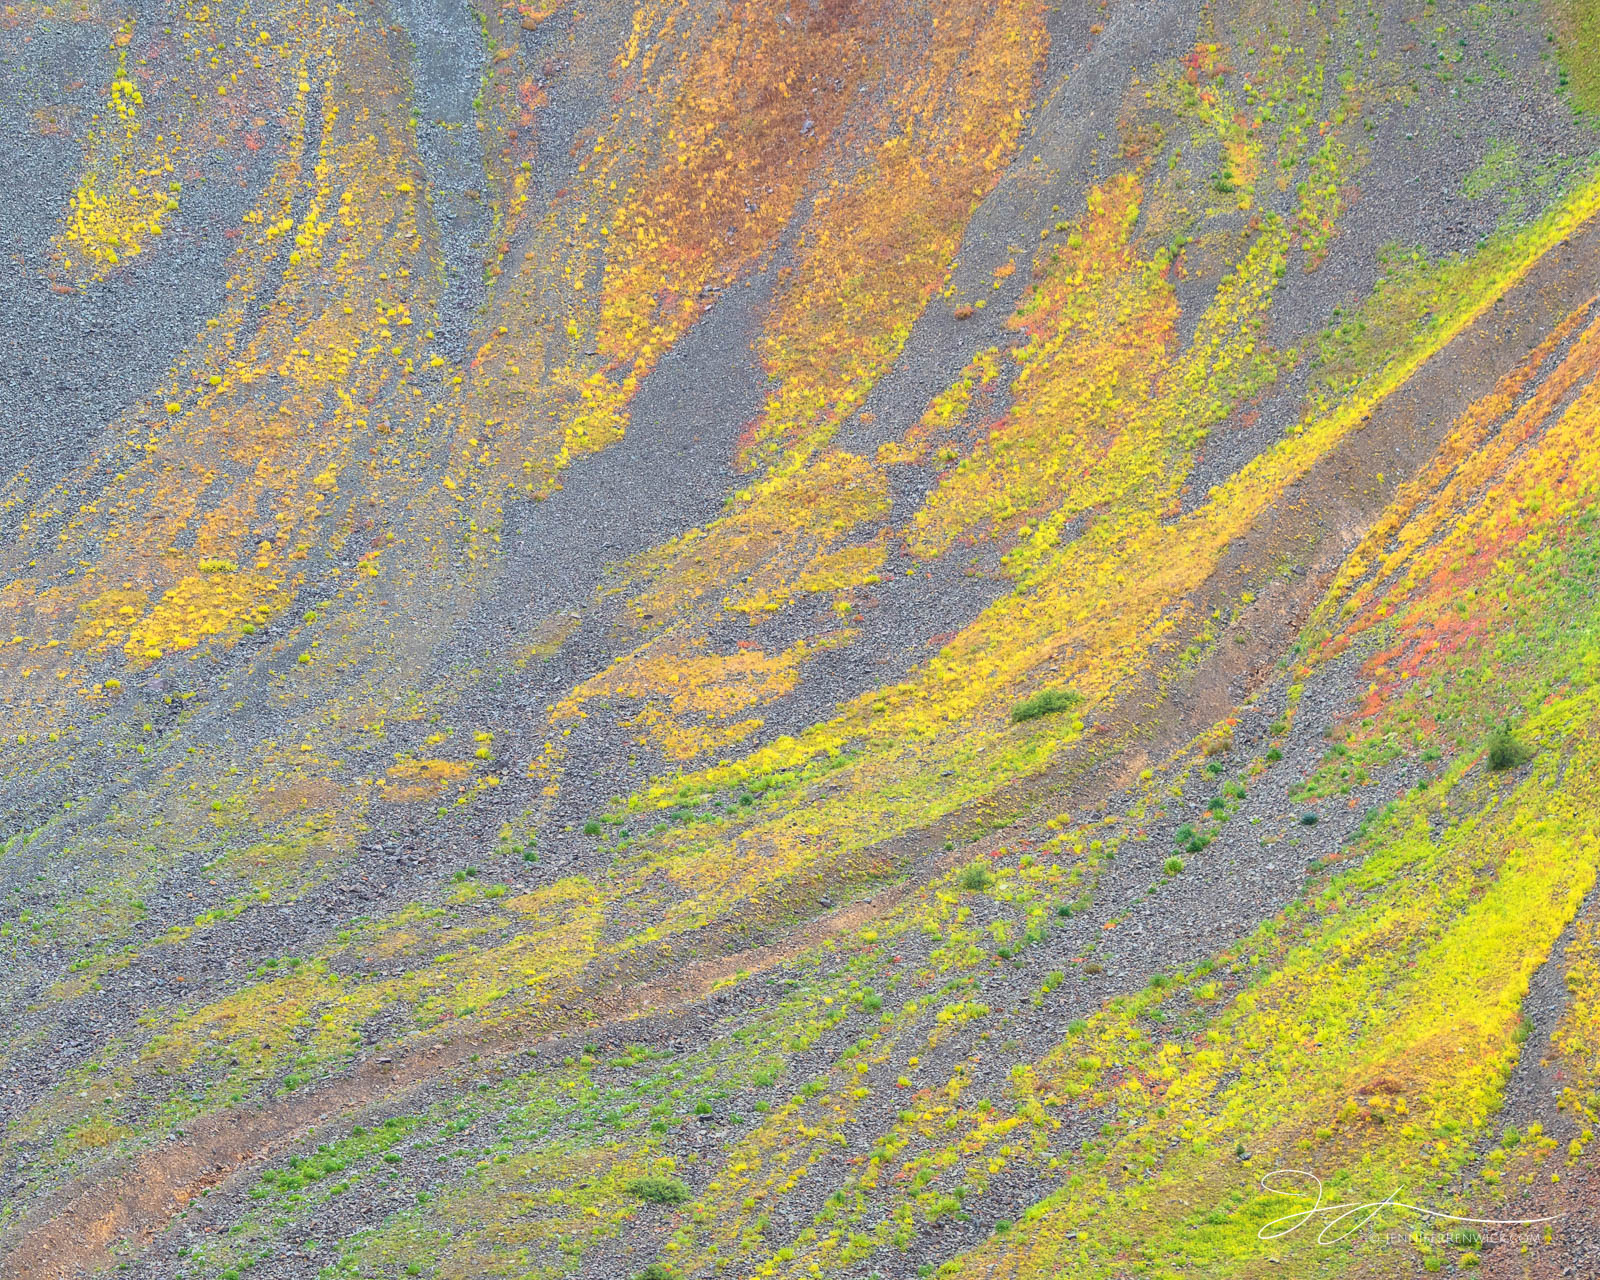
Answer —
201 608
1577 1036
1100 323
945 412
704 694
126 191
97 1131
105 622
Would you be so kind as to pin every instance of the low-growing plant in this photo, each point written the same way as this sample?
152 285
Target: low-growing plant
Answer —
658 1189
975 876
1505 752
1174 865
1044 703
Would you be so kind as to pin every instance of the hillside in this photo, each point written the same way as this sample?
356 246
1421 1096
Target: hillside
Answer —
786 639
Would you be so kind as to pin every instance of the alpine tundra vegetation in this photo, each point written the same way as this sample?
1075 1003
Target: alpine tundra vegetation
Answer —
798 639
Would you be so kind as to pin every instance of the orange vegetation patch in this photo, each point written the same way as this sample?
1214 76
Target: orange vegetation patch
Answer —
422 779
1487 491
875 248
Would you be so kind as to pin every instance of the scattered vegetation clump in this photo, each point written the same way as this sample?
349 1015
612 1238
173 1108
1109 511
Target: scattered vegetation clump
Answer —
1188 838
658 1189
1174 865
975 877
1046 702
1505 752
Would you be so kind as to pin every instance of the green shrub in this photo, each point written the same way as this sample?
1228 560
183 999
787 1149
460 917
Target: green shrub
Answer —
1044 703
975 876
658 1189
1174 865
1505 752
591 827
657 1271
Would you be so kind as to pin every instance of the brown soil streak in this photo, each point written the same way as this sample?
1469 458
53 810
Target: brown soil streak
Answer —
71 1232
